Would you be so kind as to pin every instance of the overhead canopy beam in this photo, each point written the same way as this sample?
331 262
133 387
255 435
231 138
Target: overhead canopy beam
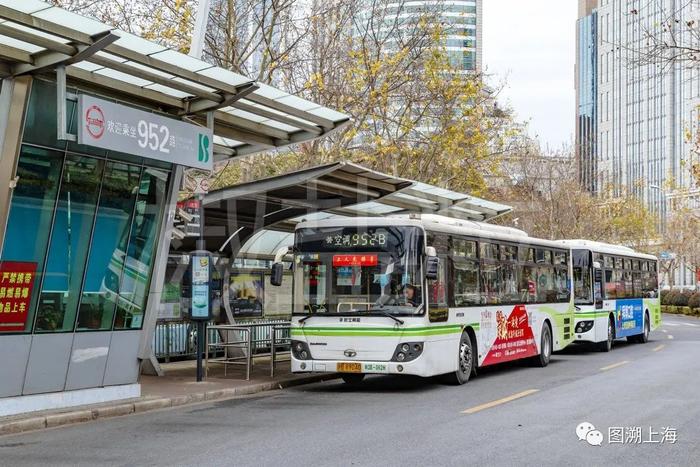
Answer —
204 105
49 38
51 59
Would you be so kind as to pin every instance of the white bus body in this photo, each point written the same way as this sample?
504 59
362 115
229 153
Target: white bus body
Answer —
362 303
616 293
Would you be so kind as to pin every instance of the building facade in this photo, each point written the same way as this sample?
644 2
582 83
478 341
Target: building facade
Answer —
587 95
462 21
636 114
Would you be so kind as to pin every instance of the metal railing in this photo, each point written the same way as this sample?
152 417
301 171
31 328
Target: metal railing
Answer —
240 343
177 339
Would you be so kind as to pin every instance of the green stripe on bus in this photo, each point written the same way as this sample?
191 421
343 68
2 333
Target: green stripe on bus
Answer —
379 331
591 314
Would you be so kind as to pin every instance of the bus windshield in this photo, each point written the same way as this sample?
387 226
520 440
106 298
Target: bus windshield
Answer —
359 270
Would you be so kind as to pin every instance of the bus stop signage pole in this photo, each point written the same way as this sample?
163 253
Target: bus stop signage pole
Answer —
200 308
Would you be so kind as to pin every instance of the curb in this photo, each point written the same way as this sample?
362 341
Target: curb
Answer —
147 405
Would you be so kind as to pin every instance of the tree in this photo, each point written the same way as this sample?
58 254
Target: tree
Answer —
414 115
549 202
168 22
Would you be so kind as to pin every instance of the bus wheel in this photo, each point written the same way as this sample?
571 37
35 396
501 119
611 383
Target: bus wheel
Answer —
642 338
606 345
542 360
353 378
465 362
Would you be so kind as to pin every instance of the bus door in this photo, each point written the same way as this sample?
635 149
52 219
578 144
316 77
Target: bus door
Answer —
597 286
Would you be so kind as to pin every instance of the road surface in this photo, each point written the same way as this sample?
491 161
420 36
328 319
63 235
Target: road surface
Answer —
508 415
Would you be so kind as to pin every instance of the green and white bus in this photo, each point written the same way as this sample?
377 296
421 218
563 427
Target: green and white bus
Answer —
616 293
424 296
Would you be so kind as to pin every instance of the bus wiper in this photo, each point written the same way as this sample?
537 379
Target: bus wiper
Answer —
301 320
381 310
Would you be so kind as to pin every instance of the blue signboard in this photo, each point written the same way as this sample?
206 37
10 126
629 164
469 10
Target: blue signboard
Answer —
629 317
201 266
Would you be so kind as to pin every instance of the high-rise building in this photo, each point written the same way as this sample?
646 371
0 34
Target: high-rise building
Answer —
636 112
462 20
587 94
633 114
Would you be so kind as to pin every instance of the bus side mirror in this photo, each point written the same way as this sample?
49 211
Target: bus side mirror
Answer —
277 269
432 264
276 272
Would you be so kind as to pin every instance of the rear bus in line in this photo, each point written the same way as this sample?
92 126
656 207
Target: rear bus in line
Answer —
616 293
424 296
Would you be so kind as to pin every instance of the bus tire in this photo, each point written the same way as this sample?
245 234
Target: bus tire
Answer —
542 360
606 345
642 338
352 378
465 362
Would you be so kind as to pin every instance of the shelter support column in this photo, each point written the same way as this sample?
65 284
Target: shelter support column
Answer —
149 363
13 105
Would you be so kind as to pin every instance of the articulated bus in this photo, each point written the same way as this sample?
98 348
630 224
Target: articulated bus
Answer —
424 296
616 293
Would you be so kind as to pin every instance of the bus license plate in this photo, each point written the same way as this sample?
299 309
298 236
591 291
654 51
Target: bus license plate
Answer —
349 367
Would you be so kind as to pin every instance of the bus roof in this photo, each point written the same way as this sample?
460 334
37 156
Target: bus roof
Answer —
601 247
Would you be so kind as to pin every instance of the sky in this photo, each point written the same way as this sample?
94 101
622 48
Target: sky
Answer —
531 45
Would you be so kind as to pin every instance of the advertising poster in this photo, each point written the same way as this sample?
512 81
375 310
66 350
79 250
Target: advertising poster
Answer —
514 337
16 283
200 286
246 294
630 316
170 301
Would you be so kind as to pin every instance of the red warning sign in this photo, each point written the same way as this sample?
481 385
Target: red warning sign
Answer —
16 283
514 338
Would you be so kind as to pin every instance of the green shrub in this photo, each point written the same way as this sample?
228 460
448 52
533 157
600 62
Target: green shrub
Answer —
665 296
671 297
694 301
681 299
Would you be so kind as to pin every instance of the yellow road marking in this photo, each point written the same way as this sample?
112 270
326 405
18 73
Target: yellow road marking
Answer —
488 405
657 348
614 365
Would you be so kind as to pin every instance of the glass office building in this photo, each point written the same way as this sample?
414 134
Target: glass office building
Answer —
587 100
462 23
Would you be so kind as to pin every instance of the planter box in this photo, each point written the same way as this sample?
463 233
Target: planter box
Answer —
664 308
696 311
672 309
685 310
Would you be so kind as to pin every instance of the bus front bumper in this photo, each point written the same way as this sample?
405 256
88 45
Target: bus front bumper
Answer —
353 366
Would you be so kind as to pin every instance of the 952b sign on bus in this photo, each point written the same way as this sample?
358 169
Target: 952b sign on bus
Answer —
116 127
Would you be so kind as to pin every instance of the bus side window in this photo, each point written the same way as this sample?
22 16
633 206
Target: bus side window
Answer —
437 289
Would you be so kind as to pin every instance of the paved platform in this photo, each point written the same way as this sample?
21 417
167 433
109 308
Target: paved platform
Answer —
178 387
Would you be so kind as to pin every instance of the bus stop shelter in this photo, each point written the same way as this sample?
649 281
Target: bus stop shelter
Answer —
96 128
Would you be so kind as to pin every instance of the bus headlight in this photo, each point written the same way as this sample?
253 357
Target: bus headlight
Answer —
583 326
407 351
300 350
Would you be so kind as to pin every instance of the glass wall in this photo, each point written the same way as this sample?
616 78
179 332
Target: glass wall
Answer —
87 223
